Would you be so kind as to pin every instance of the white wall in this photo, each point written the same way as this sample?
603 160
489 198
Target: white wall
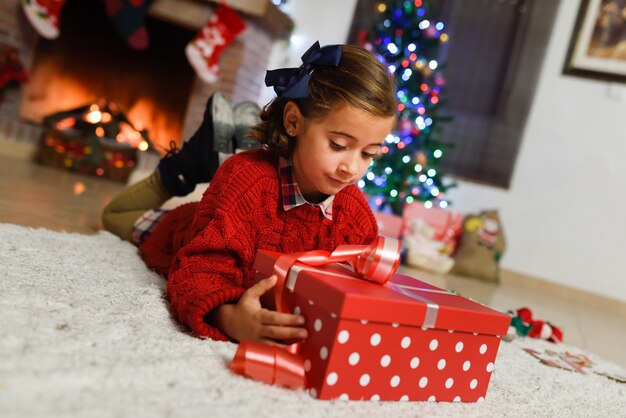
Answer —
565 212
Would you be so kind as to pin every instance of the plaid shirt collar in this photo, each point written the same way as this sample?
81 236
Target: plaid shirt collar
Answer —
292 196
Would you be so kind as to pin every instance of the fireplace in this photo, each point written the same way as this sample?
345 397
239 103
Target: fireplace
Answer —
90 61
157 88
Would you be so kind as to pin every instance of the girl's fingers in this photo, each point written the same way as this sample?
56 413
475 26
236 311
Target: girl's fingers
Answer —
268 317
261 287
276 332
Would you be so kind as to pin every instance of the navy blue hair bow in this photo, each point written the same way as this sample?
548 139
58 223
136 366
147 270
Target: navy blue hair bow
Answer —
293 83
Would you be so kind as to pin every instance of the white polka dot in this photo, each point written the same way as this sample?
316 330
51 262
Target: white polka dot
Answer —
323 353
475 333
364 321
483 348
424 328
432 398
441 364
456 399
354 359
433 345
343 337
489 367
313 392
297 310
473 384
310 302
466 365
404 398
333 315
449 382
450 331
332 378
307 365
480 399
458 347
423 382
375 340
395 324
317 325
385 360
364 380
406 342
395 381
344 397
415 361
375 398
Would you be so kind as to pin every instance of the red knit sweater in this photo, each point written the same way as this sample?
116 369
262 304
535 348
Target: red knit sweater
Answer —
207 248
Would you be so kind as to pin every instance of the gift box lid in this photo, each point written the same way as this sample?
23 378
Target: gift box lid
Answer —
402 300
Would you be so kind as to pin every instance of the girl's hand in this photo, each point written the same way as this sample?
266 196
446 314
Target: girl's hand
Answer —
247 320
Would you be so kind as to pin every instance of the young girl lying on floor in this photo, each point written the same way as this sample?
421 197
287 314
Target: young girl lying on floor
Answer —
320 134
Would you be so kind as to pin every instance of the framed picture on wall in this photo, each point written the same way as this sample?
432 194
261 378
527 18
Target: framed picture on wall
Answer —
598 44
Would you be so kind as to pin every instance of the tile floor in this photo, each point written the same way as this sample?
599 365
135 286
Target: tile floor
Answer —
37 196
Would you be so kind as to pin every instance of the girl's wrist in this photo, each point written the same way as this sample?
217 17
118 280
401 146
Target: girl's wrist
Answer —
221 318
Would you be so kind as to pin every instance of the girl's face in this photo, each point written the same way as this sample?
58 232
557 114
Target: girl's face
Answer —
335 151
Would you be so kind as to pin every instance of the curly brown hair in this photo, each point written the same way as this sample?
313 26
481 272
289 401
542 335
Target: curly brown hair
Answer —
360 81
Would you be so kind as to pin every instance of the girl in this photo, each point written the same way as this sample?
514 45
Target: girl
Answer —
298 193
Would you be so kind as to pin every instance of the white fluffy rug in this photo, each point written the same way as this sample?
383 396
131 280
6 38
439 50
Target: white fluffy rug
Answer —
85 332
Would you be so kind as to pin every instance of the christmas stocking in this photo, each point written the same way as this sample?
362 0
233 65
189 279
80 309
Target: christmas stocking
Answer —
128 18
204 51
44 15
11 69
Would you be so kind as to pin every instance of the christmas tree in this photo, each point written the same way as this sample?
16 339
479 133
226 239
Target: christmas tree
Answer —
407 38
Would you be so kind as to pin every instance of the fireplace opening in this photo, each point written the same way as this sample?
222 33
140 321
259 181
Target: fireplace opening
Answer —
90 61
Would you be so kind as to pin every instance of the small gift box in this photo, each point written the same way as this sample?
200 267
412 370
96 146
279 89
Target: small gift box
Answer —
400 340
389 225
446 225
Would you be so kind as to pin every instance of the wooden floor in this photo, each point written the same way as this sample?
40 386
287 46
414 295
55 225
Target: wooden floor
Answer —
37 196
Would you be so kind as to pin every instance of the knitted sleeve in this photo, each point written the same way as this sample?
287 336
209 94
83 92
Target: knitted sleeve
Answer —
209 270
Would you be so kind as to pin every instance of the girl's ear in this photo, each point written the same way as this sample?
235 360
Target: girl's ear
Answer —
292 119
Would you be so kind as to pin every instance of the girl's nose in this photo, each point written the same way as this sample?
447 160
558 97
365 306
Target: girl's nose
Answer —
349 165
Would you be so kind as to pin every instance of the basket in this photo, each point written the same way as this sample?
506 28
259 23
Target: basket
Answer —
72 150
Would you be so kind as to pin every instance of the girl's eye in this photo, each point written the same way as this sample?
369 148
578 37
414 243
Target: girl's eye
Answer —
336 146
370 155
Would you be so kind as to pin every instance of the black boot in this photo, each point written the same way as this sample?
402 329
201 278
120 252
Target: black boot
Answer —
245 116
197 160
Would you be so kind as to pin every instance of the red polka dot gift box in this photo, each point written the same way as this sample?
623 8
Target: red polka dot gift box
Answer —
404 340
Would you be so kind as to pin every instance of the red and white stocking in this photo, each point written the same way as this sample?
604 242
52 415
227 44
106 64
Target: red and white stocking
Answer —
219 31
44 15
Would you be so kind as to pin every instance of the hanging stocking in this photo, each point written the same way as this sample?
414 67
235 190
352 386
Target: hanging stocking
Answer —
44 15
218 32
128 17
11 69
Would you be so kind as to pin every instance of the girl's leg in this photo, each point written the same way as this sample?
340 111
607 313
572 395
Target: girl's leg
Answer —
119 216
197 160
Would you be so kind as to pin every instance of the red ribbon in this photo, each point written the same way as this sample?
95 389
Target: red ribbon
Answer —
278 365
376 262
270 364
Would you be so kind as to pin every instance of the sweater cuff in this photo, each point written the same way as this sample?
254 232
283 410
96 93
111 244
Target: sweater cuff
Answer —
198 309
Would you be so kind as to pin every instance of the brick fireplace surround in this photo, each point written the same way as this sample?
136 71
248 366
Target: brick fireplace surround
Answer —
242 65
